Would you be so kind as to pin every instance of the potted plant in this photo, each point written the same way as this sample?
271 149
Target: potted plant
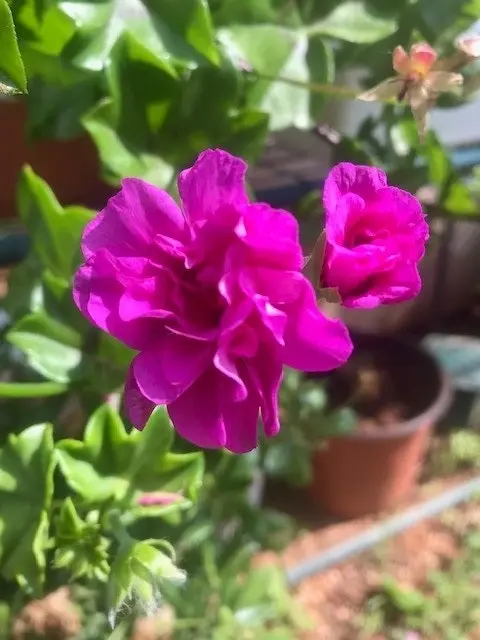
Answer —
398 393
41 126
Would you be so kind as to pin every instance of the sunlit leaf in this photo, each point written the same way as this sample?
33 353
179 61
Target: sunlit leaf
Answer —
26 488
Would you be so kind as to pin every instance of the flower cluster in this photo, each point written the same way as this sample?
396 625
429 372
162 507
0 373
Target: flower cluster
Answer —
212 295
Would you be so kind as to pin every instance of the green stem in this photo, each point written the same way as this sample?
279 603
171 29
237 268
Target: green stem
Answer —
114 519
314 87
333 90
31 389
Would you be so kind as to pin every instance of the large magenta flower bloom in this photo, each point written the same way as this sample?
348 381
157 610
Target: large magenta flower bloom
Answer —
375 237
213 298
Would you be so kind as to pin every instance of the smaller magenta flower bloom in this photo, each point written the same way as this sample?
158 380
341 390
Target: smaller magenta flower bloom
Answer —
212 296
375 236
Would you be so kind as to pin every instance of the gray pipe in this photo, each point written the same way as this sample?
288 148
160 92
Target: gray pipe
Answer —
340 552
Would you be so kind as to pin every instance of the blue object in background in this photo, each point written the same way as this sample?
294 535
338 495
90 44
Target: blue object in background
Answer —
13 248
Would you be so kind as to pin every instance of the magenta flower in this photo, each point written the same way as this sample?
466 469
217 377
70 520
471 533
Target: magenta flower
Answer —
375 237
213 298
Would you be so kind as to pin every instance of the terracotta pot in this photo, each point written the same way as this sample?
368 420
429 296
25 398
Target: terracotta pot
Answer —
369 472
71 167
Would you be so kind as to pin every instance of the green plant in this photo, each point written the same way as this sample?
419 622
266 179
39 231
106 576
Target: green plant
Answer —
306 422
447 607
229 599
67 507
459 452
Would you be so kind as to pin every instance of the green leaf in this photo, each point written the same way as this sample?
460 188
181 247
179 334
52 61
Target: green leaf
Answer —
52 348
137 574
168 30
26 489
79 546
55 231
405 600
55 110
273 52
11 64
118 161
155 441
191 21
111 464
353 22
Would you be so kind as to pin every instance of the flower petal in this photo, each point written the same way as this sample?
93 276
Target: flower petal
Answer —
169 366
314 342
266 372
97 294
346 178
131 218
241 423
470 45
401 61
389 89
422 58
279 250
216 180
440 81
137 407
196 414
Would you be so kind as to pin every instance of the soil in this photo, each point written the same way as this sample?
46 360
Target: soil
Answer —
334 599
385 383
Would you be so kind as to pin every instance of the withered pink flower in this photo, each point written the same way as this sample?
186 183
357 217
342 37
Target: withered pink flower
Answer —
470 45
417 81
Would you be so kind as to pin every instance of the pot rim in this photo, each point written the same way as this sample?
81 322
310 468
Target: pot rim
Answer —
427 418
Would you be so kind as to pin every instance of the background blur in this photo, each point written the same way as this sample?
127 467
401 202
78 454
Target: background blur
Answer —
360 520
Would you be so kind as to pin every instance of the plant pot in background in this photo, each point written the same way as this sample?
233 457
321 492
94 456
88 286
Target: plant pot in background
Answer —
71 167
376 467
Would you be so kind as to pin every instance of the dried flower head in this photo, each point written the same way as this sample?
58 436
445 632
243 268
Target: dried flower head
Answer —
470 46
418 81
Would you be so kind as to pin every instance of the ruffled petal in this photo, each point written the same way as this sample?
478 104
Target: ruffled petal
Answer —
314 342
170 365
266 373
137 407
197 415
281 249
350 178
401 283
240 420
98 296
216 180
132 218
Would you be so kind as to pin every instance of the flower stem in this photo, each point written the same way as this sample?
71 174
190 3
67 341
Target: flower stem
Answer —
314 87
114 519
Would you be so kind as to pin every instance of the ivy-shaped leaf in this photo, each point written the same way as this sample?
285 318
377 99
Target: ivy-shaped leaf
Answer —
112 464
55 231
52 348
26 488
169 30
